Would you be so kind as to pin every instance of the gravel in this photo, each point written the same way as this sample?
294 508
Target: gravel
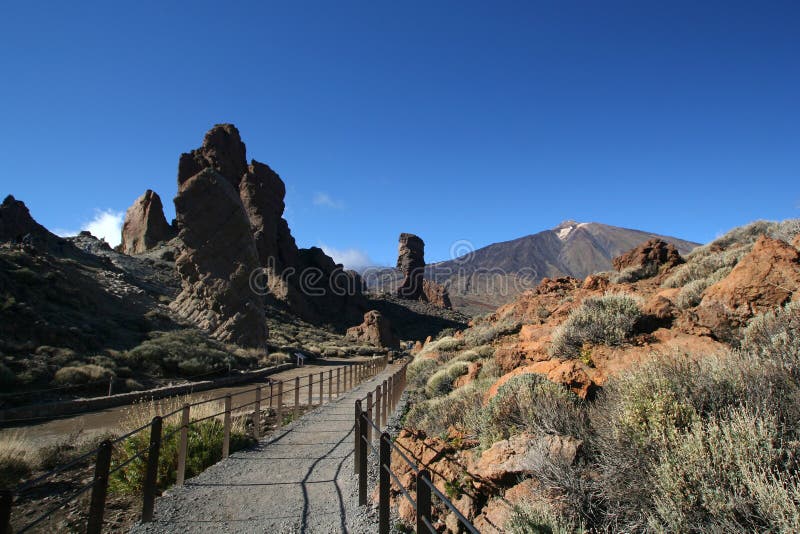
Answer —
298 480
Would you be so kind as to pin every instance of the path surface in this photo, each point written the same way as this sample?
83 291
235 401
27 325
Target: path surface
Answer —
300 480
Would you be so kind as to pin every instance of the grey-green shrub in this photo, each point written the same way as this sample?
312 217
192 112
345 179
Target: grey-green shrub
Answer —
543 519
634 273
606 320
82 374
441 382
486 332
182 353
692 293
735 472
459 409
775 336
531 403
419 371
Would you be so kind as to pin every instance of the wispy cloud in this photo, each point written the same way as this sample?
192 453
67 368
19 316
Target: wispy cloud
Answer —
325 200
351 258
106 224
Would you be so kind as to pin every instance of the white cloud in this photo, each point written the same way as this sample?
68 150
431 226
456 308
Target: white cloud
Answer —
325 200
107 224
351 258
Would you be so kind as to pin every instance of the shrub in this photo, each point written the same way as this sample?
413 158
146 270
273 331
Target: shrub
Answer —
531 403
181 353
7 377
707 264
634 273
486 332
732 473
775 336
15 460
607 320
469 355
441 382
529 519
459 409
83 374
419 371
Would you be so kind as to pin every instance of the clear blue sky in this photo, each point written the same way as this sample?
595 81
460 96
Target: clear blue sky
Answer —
483 121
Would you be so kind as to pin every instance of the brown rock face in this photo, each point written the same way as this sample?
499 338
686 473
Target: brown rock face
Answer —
411 261
307 281
145 224
16 222
766 278
652 252
436 294
222 151
375 330
218 255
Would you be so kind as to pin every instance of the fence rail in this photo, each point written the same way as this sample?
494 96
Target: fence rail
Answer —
338 380
371 413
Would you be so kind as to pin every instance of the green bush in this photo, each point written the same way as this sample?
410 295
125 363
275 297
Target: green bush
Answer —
531 403
607 320
731 473
83 374
419 371
708 264
441 382
181 353
775 336
205 449
459 409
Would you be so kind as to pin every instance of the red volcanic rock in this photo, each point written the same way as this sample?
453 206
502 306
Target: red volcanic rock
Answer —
561 284
766 278
375 330
571 373
217 257
436 294
652 252
145 225
411 262
659 307
595 282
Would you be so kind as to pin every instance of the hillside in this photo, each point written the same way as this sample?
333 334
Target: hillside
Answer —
490 276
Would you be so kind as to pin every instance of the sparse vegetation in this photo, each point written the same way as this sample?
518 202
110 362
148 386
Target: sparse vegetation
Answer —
16 462
486 332
634 273
82 374
607 320
441 382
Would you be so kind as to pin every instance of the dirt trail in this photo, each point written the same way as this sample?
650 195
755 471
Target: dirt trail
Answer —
100 422
299 480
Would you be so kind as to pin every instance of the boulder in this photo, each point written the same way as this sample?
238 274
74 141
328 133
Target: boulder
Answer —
766 278
654 252
660 307
573 374
557 285
145 225
595 282
216 260
375 330
508 460
411 262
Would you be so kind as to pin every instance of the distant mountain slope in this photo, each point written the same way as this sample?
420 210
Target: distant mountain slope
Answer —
493 275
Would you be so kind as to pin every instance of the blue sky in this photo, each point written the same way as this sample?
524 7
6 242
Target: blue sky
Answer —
480 121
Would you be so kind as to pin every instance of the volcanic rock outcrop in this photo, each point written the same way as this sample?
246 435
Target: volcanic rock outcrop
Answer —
411 262
654 252
375 330
767 277
16 223
307 281
217 257
145 225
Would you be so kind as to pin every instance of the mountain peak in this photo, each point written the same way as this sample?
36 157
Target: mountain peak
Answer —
566 227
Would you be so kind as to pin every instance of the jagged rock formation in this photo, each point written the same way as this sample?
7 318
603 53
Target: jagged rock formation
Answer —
307 281
654 252
411 263
375 330
145 225
216 260
17 225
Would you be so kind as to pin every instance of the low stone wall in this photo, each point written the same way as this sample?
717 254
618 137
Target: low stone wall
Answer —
51 410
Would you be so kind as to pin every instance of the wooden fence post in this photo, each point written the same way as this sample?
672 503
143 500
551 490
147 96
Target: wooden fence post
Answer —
296 397
226 428
257 414
338 381
271 392
363 434
356 433
321 388
97 504
384 483
151 476
385 404
378 406
183 448
6 501
369 414
423 501
330 385
310 390
279 409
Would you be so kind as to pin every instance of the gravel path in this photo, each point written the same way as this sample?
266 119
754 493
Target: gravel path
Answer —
298 480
